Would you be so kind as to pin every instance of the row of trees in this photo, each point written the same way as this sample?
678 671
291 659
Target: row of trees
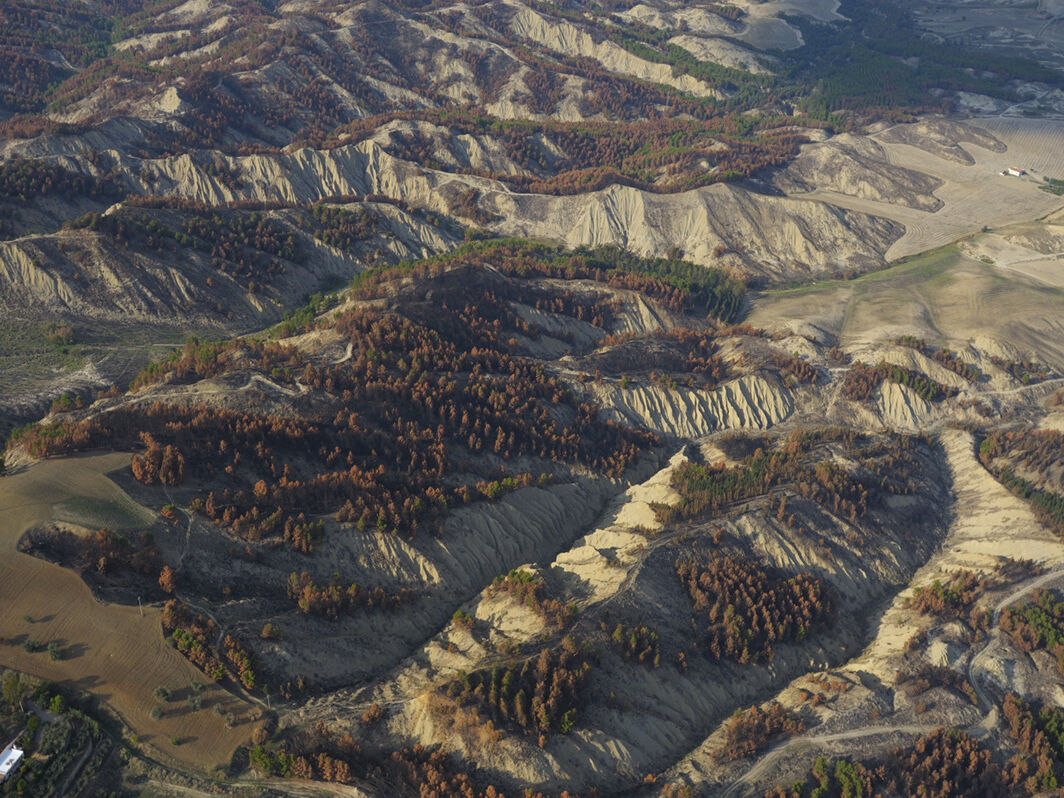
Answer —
862 380
333 600
943 356
193 635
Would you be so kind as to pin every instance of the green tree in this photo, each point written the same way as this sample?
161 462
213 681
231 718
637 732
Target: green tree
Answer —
12 688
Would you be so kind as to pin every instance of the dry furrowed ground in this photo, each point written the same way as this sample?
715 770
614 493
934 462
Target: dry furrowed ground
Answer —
974 195
109 650
944 296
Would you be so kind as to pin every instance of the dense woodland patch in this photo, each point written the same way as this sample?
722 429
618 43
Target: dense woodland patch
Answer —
741 610
945 763
539 695
862 381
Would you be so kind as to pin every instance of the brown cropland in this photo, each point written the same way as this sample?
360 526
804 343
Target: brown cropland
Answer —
109 650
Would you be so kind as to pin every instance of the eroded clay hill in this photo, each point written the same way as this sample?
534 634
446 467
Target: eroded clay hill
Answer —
556 517
546 399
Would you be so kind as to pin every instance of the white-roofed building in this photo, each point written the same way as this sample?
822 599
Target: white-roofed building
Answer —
10 759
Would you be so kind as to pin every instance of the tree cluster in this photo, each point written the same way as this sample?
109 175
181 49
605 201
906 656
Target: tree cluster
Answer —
845 780
1025 371
862 380
397 424
333 600
22 179
1039 736
104 552
1037 625
540 695
678 284
743 611
415 772
707 488
953 600
193 635
640 643
943 356
924 677
946 763
247 246
528 589
752 730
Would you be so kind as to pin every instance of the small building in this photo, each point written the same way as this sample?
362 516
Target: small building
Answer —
1016 171
10 758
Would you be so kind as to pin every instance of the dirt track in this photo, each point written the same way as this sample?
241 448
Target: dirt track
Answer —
109 650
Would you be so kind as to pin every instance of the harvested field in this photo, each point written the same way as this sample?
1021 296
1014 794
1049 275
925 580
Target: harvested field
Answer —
974 196
110 650
944 297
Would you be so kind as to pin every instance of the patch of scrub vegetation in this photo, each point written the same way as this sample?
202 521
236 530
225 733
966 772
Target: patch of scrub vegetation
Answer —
1053 186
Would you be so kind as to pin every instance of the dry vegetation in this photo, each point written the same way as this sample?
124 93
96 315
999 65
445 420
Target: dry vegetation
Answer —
742 610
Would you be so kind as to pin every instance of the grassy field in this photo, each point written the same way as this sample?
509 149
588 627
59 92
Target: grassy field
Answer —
111 651
942 296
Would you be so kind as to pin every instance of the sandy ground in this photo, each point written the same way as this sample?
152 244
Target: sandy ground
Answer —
974 195
944 297
108 650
